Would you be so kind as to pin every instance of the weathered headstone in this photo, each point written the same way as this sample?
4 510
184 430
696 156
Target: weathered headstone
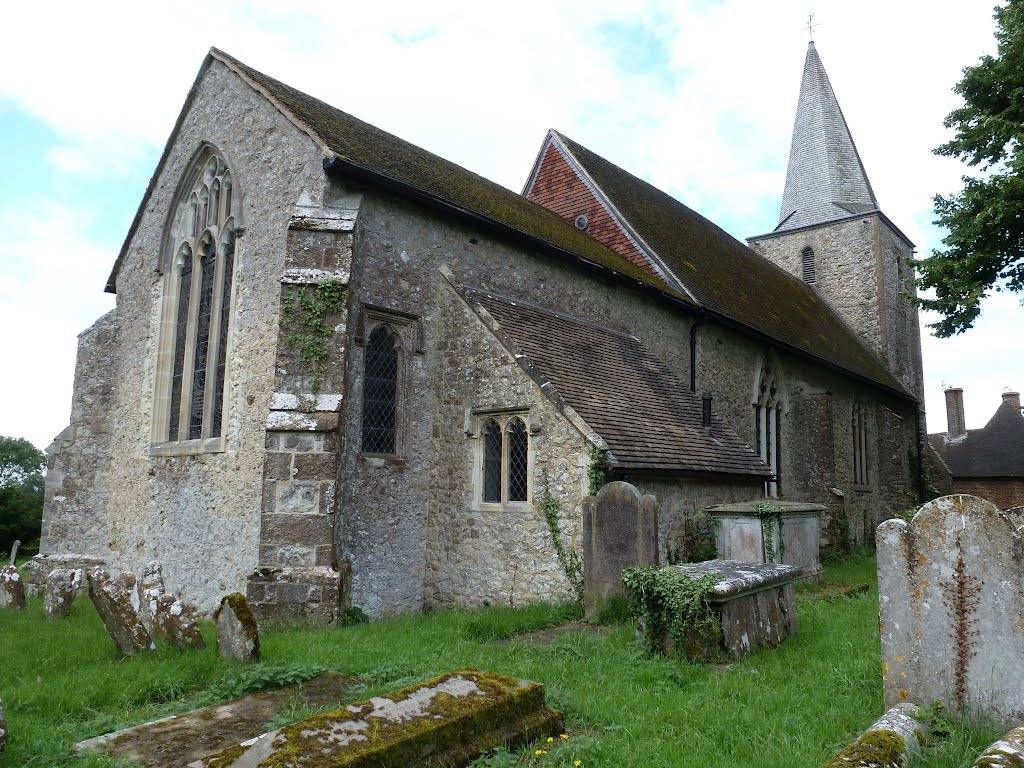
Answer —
1008 752
173 623
150 586
62 586
12 588
237 634
14 551
888 743
449 721
114 605
951 593
3 728
620 530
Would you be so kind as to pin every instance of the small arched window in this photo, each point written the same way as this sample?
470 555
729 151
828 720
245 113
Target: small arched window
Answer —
504 460
380 392
807 264
197 300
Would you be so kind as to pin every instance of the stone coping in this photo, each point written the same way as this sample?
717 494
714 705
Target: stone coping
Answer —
180 739
749 508
888 742
1008 751
736 579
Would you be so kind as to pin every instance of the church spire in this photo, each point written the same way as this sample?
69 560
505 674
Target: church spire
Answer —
825 179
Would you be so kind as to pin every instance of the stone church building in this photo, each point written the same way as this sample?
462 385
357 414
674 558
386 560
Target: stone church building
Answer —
345 371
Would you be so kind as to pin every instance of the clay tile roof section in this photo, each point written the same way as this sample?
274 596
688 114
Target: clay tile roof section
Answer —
995 450
646 415
728 278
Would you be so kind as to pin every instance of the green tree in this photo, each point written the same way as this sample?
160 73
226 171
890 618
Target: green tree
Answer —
22 468
984 249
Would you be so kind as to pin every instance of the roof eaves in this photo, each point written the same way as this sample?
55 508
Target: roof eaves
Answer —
337 163
621 220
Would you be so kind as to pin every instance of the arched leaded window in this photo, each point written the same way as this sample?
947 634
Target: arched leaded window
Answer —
198 304
504 460
768 418
807 265
380 392
859 429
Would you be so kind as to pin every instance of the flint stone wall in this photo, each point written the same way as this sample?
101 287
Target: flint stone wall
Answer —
951 593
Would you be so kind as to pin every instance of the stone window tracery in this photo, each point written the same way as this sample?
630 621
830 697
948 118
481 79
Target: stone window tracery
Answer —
767 421
191 369
504 460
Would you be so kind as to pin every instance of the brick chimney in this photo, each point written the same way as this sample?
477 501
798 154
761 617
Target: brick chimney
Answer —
1012 399
956 425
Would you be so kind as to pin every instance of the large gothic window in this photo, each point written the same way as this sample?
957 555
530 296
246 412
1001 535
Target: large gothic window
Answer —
505 460
767 420
197 306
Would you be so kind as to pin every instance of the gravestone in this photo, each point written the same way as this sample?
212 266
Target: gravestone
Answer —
114 605
62 586
3 728
237 634
12 588
769 532
151 586
174 624
448 721
1008 752
951 594
14 551
620 530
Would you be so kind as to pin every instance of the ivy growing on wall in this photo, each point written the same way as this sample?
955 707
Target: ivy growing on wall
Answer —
596 469
667 600
305 320
569 558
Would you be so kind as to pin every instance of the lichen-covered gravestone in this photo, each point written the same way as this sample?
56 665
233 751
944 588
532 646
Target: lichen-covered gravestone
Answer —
1008 752
12 588
620 530
114 605
62 586
951 593
173 623
448 721
150 586
237 633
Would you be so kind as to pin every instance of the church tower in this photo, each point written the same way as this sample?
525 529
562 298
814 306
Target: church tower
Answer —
833 236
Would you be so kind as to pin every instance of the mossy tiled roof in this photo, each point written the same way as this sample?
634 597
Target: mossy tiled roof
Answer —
727 277
995 450
386 156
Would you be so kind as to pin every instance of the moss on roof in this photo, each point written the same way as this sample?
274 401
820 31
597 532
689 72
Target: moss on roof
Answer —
385 155
729 278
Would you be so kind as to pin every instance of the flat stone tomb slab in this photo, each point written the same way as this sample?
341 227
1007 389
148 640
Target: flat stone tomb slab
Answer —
754 605
791 532
178 740
447 721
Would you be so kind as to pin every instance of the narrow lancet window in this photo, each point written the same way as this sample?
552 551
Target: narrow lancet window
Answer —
380 392
808 265
518 450
767 421
492 462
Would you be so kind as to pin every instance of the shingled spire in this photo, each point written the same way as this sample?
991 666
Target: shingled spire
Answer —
825 179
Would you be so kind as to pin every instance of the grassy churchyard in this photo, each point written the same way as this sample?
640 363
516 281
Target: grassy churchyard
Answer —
62 681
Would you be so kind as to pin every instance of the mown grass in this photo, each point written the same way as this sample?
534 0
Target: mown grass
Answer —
62 681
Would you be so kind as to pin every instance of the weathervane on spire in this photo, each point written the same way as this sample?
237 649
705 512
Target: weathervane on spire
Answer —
810 25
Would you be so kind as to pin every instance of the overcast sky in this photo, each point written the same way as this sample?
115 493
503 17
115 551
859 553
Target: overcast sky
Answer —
696 97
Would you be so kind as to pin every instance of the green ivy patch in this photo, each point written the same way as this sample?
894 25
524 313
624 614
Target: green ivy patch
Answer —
305 320
669 600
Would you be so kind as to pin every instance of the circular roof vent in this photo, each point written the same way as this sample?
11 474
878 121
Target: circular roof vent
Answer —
582 223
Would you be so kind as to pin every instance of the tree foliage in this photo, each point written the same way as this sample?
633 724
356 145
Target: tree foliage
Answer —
22 467
984 249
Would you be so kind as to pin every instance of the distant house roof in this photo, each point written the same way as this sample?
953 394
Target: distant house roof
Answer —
995 450
646 415
720 274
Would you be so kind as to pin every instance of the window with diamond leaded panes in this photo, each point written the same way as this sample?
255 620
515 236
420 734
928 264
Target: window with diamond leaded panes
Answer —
197 308
380 392
505 460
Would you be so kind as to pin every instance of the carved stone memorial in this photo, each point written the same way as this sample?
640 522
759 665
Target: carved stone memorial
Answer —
237 633
951 593
12 588
114 605
620 530
769 532
62 586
